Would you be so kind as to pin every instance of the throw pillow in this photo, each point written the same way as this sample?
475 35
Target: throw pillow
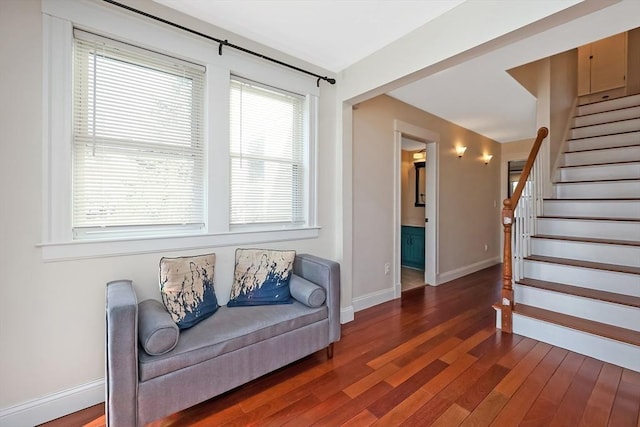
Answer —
186 285
261 277
157 331
306 292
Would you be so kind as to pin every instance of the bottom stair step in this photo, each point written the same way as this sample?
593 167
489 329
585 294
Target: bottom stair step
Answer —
608 331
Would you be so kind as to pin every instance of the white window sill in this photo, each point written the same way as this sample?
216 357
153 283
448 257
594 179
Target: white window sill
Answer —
67 251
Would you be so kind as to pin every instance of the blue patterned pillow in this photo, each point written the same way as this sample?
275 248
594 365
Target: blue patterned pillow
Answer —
186 285
261 277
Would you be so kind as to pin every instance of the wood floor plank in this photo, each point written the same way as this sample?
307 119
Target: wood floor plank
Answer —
468 344
320 410
352 408
370 380
601 400
575 399
487 410
512 358
452 417
521 371
363 419
521 401
626 406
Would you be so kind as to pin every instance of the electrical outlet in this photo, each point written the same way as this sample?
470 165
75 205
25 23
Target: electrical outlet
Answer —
387 268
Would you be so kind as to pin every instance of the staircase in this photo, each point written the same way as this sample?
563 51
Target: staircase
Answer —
581 285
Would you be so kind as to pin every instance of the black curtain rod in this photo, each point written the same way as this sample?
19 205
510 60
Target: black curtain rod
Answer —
222 42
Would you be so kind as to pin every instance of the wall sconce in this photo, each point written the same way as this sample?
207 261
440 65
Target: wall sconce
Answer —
460 151
487 158
420 156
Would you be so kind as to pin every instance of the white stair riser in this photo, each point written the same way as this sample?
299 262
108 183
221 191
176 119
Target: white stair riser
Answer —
587 173
606 141
584 251
598 190
615 230
610 281
607 116
611 155
618 353
612 104
588 208
586 308
606 129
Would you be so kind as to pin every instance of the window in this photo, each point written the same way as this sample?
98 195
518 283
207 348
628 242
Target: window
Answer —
148 150
138 141
267 155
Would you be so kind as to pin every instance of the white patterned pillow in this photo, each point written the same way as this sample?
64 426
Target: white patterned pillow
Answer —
261 277
186 285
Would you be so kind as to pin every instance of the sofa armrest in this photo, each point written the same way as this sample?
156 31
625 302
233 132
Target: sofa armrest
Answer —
121 354
324 273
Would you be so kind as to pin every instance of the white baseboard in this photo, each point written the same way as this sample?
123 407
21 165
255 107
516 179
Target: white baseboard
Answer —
346 315
468 269
53 406
375 298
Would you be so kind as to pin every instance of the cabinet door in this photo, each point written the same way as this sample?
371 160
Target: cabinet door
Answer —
602 65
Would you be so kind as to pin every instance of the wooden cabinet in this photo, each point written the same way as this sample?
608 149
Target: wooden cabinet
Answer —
412 247
602 65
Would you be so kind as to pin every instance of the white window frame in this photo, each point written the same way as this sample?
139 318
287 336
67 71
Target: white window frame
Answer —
59 19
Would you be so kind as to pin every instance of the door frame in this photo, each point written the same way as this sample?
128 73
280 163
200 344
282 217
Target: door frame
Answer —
431 139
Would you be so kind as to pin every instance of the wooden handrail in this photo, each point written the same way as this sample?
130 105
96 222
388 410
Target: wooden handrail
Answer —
509 206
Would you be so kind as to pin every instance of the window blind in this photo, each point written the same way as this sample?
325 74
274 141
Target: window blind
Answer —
138 140
267 146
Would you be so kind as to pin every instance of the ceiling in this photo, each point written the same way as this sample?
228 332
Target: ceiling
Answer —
478 94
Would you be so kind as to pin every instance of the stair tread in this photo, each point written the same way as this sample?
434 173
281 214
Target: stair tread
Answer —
625 162
589 218
580 291
587 240
615 147
601 136
584 181
604 123
625 199
596 328
585 264
607 111
602 101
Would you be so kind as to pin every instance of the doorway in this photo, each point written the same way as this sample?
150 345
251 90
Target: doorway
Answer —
427 191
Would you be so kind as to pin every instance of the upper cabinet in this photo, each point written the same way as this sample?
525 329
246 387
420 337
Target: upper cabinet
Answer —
602 65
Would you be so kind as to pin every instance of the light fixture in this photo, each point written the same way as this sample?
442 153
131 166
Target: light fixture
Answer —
460 151
419 156
487 158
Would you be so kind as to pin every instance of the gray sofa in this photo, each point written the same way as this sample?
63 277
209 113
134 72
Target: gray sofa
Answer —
228 349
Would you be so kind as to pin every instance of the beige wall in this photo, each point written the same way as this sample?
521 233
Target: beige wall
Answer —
52 317
467 192
564 91
633 62
410 213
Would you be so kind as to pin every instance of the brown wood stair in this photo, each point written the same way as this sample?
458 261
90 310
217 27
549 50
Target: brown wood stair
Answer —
580 291
585 264
587 240
596 328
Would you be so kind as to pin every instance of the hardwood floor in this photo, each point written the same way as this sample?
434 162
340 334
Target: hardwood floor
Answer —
432 358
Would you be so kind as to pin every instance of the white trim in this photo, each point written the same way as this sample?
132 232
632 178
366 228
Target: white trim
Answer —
98 249
468 269
374 298
53 406
346 315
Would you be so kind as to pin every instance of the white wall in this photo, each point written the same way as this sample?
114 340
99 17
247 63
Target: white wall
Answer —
52 317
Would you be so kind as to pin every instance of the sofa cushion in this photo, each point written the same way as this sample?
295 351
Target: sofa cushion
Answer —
157 331
186 286
261 277
307 292
229 330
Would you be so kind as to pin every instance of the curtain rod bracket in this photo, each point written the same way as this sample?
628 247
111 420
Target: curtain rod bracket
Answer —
222 43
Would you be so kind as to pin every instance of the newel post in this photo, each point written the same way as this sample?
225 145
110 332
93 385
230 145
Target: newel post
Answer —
506 301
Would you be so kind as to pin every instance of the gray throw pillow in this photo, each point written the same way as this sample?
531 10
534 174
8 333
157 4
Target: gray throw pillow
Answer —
157 331
306 292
